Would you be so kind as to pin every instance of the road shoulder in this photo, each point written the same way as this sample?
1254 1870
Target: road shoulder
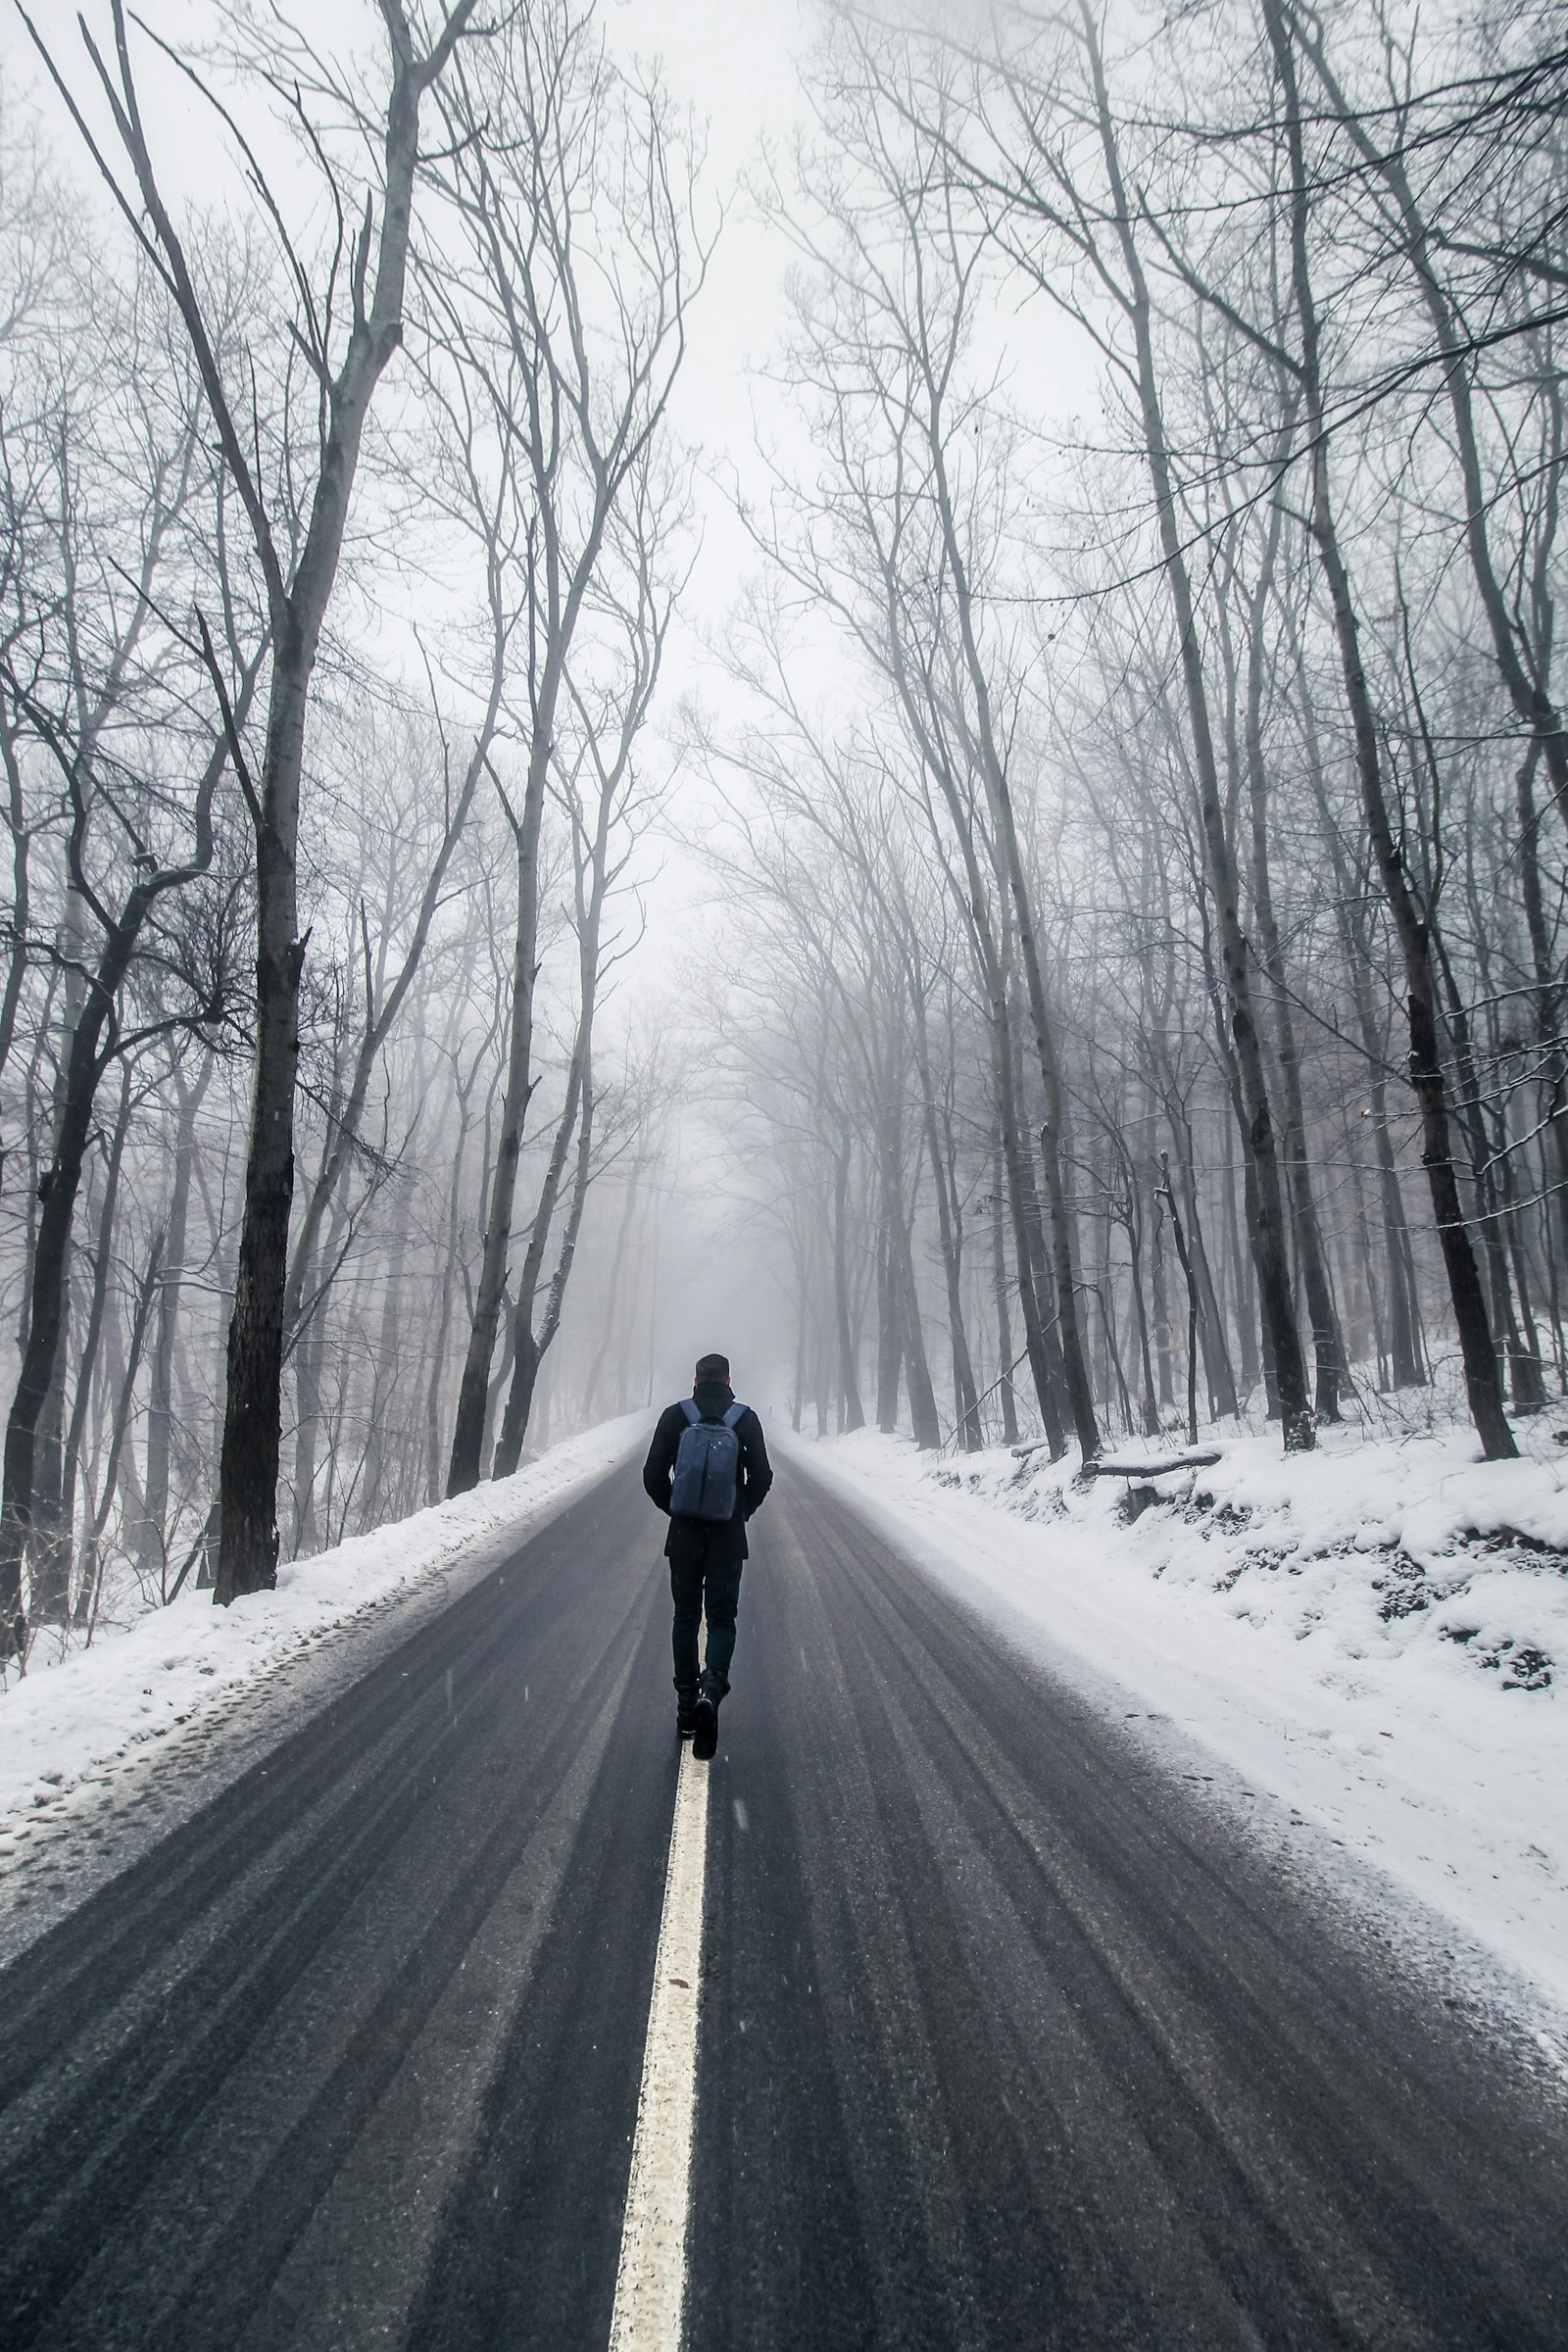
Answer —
117 1747
1293 1770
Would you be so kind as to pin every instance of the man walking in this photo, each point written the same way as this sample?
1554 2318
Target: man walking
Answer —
708 1469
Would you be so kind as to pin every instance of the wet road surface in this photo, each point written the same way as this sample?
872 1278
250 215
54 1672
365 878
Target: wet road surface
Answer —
1006 2041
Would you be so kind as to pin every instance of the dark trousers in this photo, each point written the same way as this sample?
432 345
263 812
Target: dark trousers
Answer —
698 1585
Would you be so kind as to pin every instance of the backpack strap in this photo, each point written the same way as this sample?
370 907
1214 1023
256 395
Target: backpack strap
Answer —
688 1408
732 1417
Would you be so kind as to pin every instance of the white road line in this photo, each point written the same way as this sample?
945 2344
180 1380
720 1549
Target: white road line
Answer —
651 2283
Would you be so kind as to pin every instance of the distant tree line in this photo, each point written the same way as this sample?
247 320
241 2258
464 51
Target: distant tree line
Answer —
1156 958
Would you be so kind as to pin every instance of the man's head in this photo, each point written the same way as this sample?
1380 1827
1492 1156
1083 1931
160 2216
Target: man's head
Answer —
712 1367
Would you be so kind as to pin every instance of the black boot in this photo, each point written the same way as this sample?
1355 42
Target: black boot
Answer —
685 1709
705 1736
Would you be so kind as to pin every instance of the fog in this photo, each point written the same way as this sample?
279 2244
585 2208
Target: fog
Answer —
874 694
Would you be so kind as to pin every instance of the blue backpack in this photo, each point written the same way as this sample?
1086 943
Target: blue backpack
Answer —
708 1464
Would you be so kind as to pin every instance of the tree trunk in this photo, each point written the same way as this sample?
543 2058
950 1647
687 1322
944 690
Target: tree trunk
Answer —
1061 1284
1186 1262
1025 1209
47 1289
91 1339
92 1550
253 1420
531 1345
248 1468
1268 1235
1218 1374
381 1439
998 1280
1150 1407
853 1412
1426 1066
964 1402
917 1370
1404 1349
306 1345
469 1432
1326 1345
153 1547
889 1324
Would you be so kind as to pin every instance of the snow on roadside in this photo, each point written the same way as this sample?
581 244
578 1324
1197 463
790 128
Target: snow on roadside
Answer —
173 1666
1376 1635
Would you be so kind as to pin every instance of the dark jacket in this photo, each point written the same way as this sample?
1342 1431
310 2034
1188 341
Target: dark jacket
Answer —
708 1539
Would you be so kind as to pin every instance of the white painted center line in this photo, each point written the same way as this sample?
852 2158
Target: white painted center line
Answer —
650 2281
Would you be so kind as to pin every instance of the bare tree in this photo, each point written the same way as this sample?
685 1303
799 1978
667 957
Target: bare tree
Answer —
570 324
346 326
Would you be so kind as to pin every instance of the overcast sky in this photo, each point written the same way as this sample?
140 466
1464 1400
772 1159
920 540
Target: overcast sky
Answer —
736 67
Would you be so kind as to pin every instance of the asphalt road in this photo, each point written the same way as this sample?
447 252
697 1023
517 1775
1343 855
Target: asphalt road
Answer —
1007 2041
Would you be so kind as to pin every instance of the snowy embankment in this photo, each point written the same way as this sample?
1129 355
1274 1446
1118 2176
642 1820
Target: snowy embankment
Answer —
175 1669
1376 1635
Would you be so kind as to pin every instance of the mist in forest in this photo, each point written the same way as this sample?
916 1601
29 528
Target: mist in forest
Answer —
877 692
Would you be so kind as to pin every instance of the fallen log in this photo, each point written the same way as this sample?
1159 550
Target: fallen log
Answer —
1177 1461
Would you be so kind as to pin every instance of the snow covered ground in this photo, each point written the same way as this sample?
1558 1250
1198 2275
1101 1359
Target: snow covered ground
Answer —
1375 1634
1369 1645
103 1747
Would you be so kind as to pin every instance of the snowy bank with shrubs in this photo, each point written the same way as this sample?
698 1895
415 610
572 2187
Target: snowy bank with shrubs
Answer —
1374 1633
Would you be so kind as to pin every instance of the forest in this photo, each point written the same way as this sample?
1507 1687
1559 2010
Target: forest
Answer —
1127 798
